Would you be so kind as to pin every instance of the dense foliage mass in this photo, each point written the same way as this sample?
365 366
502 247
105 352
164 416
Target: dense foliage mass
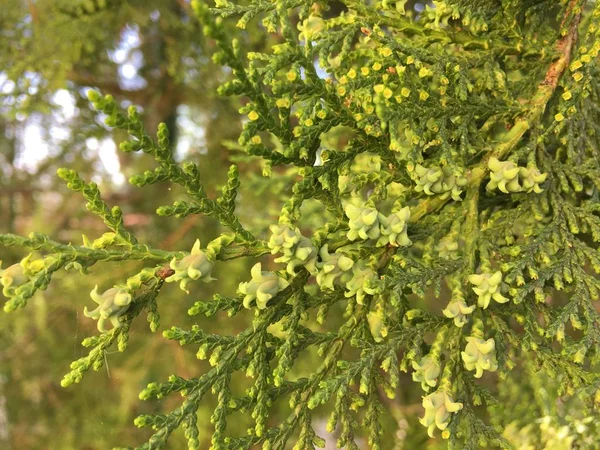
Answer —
443 222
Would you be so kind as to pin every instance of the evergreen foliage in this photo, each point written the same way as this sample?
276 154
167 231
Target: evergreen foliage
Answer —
453 149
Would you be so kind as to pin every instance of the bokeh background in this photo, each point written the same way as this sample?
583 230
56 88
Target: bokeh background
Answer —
150 53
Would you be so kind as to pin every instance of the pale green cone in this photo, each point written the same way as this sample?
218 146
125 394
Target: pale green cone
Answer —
112 304
261 288
504 176
438 181
438 408
453 184
363 222
360 284
394 229
480 355
488 286
426 372
459 311
531 179
296 250
333 269
282 238
195 266
305 255
508 177
426 178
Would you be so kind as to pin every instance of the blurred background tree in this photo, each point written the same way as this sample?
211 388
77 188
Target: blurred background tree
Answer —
148 53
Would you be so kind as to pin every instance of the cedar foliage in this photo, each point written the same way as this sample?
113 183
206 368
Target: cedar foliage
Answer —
446 152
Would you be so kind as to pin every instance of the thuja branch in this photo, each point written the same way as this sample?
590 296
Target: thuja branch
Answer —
187 176
113 218
85 254
534 110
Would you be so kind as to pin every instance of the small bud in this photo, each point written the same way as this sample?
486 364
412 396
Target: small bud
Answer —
93 96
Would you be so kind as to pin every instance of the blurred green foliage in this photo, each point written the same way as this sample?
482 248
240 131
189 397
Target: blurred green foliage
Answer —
150 53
